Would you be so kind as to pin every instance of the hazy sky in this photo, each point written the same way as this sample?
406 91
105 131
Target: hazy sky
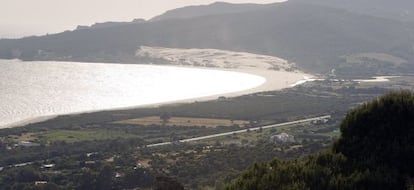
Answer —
28 17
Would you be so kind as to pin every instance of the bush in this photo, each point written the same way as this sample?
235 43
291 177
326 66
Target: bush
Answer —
381 133
375 151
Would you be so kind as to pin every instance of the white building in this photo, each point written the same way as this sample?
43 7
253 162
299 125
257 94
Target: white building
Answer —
27 144
282 138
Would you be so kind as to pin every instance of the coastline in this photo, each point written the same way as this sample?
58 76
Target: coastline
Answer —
274 80
258 65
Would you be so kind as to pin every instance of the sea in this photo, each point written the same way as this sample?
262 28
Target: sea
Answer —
32 90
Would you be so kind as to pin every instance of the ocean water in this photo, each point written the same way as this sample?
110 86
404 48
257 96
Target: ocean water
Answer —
30 90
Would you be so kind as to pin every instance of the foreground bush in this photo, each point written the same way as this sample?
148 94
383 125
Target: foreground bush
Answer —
375 151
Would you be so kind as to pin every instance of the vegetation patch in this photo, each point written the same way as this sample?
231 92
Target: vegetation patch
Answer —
183 121
71 136
374 152
374 57
98 141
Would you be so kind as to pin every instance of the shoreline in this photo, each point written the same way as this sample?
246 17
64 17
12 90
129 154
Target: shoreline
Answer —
274 80
277 73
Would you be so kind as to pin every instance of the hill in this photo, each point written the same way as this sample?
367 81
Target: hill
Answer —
402 10
316 37
217 8
374 152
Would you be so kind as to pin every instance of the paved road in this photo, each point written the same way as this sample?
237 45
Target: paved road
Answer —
243 131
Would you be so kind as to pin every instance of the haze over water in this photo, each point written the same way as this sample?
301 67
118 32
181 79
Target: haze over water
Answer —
35 89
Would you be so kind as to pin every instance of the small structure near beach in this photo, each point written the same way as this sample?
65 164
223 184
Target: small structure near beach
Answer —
27 144
47 166
282 138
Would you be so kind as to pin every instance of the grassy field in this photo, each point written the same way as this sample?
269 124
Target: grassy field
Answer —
71 136
184 121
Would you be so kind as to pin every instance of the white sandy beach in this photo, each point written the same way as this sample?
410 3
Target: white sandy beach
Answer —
279 73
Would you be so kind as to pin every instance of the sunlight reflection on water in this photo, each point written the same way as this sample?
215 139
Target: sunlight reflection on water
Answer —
34 89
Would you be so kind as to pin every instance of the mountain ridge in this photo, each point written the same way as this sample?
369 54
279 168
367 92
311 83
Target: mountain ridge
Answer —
401 10
313 36
216 8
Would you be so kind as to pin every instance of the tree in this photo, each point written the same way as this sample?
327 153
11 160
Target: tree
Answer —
165 117
381 133
137 178
105 178
27 175
87 181
48 186
166 183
